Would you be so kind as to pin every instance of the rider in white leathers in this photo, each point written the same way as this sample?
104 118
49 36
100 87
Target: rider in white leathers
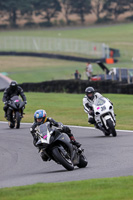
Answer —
88 100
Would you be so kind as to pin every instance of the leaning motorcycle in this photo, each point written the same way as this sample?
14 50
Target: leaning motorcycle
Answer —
104 116
15 112
56 145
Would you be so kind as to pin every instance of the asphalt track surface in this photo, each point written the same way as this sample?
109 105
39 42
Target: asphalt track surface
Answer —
21 164
4 81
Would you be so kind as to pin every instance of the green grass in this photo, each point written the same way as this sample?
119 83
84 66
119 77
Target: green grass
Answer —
110 33
68 108
96 189
29 69
116 36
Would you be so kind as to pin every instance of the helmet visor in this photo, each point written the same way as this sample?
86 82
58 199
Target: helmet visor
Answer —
90 95
39 119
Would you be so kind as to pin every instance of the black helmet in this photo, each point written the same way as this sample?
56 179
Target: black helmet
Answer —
13 85
89 91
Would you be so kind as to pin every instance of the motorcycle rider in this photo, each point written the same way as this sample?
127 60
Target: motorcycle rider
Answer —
40 117
11 91
88 100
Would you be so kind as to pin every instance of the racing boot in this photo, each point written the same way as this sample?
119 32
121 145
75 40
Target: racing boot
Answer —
74 142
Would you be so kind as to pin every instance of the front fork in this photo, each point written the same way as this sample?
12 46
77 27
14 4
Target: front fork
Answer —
11 114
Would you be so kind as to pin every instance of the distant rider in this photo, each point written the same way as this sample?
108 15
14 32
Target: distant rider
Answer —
11 91
40 117
88 100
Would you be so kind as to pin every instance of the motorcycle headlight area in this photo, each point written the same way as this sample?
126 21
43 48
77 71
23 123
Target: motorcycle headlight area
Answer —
97 113
16 104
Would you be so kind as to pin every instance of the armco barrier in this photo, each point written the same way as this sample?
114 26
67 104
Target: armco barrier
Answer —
77 86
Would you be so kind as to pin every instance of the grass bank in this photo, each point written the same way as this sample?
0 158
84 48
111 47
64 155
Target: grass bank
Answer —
116 36
29 69
32 69
68 108
96 189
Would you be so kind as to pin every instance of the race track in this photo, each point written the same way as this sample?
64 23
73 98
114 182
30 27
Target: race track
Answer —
20 163
4 81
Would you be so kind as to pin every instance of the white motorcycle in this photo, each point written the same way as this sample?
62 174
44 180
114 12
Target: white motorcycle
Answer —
104 116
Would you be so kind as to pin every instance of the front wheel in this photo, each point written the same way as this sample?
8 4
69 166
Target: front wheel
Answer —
11 124
111 127
17 120
82 161
62 159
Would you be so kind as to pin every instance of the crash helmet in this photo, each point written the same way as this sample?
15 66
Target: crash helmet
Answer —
13 85
40 116
90 91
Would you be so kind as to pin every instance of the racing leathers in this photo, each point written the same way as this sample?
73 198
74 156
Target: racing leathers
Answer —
52 122
87 103
9 93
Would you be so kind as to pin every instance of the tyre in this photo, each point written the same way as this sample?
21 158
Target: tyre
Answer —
106 133
62 159
82 161
111 127
10 119
17 121
11 125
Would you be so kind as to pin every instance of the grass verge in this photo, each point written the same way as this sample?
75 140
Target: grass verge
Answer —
116 36
29 69
95 189
68 108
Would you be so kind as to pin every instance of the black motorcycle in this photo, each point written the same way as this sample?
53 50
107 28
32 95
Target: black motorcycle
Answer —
55 145
15 111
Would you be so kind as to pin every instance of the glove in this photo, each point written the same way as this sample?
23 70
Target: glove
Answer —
31 130
91 112
5 103
25 102
60 124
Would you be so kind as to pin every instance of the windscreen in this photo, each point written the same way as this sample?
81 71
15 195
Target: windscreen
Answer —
99 101
43 129
15 98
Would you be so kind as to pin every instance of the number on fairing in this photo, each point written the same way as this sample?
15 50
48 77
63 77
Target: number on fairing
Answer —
103 108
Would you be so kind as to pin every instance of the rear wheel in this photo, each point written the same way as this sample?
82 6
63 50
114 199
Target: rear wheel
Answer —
111 127
17 121
82 161
62 159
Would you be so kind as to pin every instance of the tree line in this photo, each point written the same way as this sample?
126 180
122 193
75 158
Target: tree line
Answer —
49 9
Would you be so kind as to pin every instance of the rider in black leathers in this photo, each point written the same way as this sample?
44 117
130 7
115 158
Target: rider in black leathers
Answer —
42 118
11 91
